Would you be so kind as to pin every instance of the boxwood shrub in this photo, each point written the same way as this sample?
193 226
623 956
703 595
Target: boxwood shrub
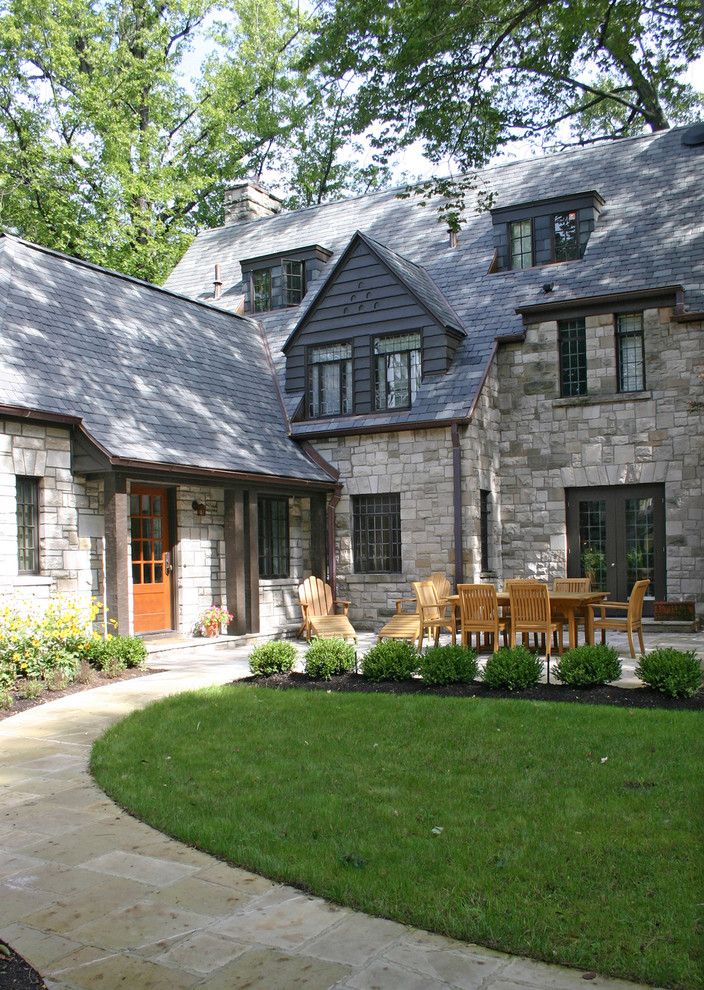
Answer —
448 665
513 669
587 666
391 660
327 657
677 673
116 653
272 658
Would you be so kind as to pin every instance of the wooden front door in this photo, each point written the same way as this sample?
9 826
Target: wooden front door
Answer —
151 559
616 536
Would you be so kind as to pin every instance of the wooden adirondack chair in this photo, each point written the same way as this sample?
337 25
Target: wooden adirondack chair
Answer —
316 599
630 623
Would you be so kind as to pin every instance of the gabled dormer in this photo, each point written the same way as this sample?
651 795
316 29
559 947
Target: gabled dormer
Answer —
544 231
377 330
274 281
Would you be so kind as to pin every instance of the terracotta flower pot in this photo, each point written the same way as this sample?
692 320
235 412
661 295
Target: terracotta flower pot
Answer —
213 629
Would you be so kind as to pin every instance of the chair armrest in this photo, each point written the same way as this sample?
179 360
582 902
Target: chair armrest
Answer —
345 605
400 602
602 607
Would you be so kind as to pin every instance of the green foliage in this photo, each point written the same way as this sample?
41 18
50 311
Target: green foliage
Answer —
116 653
6 699
31 688
390 660
37 641
512 669
677 673
448 665
587 666
277 657
327 657
8 674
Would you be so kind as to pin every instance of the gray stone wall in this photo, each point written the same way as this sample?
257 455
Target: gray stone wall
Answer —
199 562
66 555
549 444
279 609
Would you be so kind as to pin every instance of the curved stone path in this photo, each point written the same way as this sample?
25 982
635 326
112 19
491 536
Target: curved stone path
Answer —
95 899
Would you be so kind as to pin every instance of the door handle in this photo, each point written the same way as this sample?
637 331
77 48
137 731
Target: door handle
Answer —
168 566
612 565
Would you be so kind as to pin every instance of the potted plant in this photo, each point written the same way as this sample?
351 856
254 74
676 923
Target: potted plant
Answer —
593 564
211 620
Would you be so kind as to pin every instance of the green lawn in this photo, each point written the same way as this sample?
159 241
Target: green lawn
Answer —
570 833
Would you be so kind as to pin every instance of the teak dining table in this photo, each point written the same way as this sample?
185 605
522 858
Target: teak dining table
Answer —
569 603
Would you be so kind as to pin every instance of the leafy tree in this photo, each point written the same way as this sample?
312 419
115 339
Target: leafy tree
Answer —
467 78
108 150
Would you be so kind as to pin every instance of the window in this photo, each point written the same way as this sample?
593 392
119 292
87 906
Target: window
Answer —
521 238
397 368
27 525
485 526
294 282
377 533
274 557
566 236
261 290
573 357
330 380
629 352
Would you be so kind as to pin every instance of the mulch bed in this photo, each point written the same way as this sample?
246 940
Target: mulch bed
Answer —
606 695
98 679
16 973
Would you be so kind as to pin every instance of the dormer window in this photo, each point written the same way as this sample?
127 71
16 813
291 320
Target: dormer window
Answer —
294 282
545 231
273 281
397 367
261 290
330 380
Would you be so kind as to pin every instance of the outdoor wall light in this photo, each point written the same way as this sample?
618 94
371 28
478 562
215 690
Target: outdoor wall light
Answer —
198 507
548 287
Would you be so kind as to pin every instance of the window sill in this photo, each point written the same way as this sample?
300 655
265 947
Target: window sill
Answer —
279 582
32 580
595 400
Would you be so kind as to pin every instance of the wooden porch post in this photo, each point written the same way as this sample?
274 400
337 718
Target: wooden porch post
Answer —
235 580
318 528
116 552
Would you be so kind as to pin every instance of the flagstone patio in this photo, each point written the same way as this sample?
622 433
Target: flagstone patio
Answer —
95 899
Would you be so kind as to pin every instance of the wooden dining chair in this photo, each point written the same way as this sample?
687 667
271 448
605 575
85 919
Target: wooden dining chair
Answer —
633 620
443 589
315 597
479 613
530 613
570 585
431 614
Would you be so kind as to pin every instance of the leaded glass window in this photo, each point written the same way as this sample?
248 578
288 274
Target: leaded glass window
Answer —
566 236
294 282
592 541
521 238
274 554
261 290
330 380
573 357
27 525
629 337
397 369
377 533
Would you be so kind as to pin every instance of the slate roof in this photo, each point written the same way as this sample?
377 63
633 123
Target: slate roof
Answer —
153 377
650 234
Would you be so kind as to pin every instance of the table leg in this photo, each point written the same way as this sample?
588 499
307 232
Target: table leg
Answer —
572 626
588 625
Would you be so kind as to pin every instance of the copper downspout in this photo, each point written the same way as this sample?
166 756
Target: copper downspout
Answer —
457 501
332 558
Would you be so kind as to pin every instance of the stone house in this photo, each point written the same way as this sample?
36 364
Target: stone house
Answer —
350 390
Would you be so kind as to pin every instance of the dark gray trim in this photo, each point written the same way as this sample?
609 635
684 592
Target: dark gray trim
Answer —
613 302
543 207
296 254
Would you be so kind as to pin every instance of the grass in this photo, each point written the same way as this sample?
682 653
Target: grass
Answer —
568 833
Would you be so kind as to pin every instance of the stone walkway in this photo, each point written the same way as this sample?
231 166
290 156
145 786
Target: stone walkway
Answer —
95 899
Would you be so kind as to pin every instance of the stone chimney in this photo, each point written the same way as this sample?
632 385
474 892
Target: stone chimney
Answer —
248 200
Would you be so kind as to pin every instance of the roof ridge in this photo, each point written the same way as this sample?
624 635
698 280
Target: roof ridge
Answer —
91 266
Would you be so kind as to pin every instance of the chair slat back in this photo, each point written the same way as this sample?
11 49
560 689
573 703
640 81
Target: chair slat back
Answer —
635 602
572 585
441 585
317 596
479 606
530 602
427 600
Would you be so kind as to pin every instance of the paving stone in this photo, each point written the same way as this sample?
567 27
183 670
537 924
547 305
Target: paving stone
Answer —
232 876
274 970
14 903
536 974
63 880
458 966
137 925
193 894
67 914
131 866
381 975
355 939
285 925
127 973
15 838
40 949
202 952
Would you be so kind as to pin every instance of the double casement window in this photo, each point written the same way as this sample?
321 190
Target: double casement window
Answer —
572 339
376 533
521 243
629 352
397 370
27 525
294 282
274 553
330 380
565 228
261 290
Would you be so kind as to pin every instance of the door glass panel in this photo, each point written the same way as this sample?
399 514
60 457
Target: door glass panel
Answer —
136 574
592 542
147 573
156 527
134 505
136 527
157 550
158 573
146 551
156 505
145 505
135 551
640 541
146 527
